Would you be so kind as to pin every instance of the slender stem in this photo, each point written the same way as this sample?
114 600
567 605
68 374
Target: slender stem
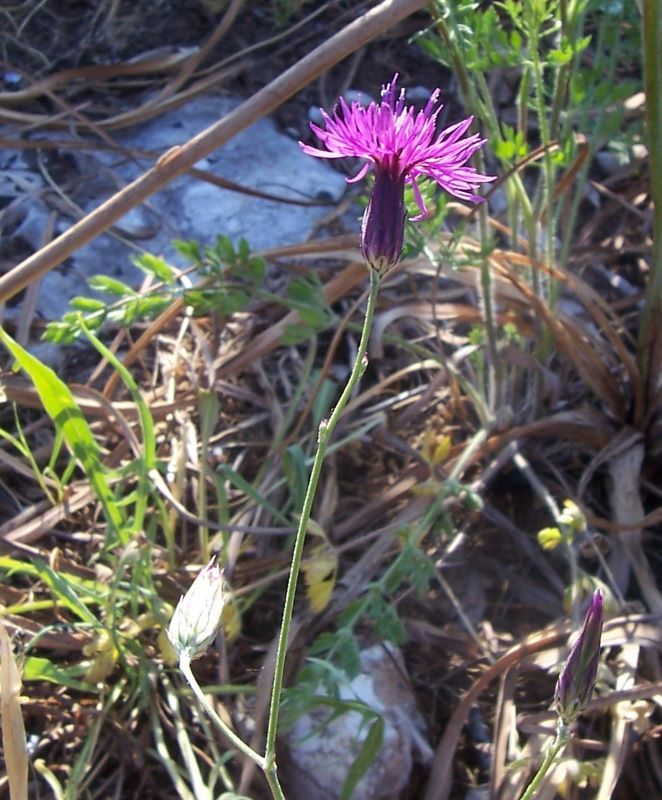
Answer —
274 785
546 196
561 740
325 430
480 103
475 443
185 667
486 293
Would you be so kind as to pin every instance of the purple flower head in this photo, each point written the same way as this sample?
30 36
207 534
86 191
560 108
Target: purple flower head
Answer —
402 145
577 679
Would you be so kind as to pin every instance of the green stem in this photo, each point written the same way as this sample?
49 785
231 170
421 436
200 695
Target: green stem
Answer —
545 198
561 740
486 293
325 430
185 667
477 440
480 104
274 785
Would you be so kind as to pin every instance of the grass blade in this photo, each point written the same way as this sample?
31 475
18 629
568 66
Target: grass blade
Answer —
13 729
61 407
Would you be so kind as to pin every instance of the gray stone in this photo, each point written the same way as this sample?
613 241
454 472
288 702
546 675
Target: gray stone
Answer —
259 158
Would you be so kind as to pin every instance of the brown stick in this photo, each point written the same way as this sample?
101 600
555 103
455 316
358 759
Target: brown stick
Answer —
179 159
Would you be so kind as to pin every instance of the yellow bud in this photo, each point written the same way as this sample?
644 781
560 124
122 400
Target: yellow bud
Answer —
436 448
572 517
320 575
549 538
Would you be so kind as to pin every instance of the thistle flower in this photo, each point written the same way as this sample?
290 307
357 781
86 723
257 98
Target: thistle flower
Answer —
402 145
198 613
577 679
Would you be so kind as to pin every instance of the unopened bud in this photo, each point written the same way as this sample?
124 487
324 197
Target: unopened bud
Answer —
577 679
383 227
549 538
198 613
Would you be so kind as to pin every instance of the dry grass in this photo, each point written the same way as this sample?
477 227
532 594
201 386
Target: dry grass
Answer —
482 642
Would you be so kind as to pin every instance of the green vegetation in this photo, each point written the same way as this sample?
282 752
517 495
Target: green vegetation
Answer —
414 464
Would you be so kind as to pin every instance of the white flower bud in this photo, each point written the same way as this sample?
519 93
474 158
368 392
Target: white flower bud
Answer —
198 613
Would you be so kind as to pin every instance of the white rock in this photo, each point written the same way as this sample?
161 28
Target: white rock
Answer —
322 751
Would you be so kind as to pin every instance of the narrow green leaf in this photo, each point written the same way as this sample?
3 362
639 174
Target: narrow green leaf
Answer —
88 304
41 669
155 265
243 249
295 472
368 753
104 283
60 405
224 250
189 249
244 486
65 593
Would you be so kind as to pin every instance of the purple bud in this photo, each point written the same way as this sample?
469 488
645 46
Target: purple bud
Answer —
577 679
383 228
